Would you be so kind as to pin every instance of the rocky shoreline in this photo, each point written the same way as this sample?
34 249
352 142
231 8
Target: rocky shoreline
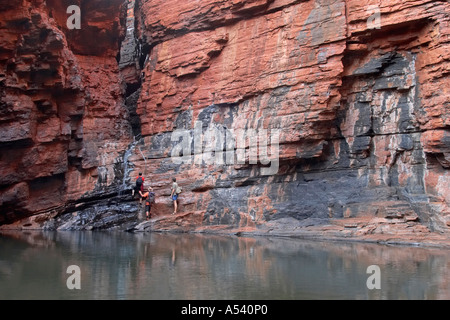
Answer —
368 229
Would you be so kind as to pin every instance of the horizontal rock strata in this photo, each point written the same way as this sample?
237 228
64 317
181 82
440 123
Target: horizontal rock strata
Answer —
328 115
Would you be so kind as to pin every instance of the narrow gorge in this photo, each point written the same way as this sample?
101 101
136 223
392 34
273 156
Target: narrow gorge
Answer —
314 118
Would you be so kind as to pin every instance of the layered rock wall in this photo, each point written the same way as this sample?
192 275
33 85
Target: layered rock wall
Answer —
63 122
357 92
271 114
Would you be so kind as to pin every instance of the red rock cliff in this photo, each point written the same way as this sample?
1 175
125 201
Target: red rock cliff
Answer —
63 121
357 90
352 97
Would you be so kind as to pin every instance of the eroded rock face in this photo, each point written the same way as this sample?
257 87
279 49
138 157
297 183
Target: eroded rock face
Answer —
63 121
272 115
357 92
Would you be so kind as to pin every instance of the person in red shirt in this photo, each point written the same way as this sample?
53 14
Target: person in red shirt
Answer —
139 187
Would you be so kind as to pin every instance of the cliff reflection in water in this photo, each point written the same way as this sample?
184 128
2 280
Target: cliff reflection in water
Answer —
186 266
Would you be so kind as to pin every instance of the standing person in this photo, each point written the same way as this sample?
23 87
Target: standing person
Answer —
139 187
176 190
149 197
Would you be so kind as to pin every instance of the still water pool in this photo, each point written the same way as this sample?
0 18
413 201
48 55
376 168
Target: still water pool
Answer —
119 265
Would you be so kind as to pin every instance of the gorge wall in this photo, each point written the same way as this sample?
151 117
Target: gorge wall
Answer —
273 115
63 120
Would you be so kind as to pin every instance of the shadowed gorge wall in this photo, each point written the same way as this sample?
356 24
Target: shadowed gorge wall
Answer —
357 93
63 121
